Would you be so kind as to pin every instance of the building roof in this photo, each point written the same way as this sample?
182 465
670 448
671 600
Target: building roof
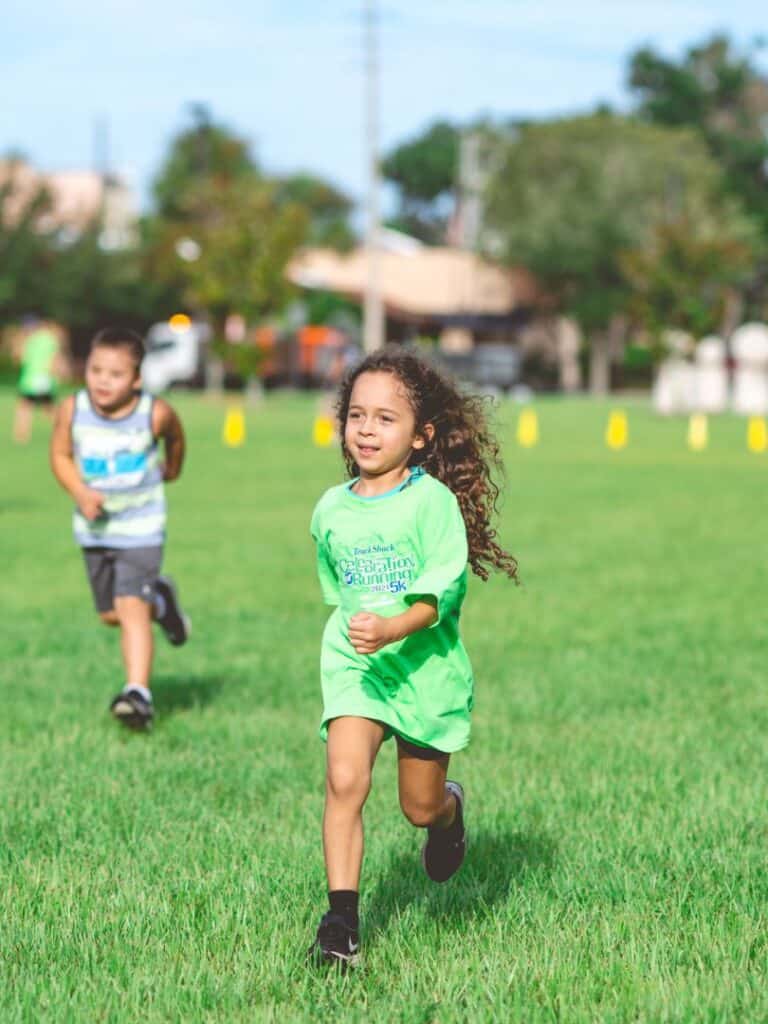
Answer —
76 198
418 281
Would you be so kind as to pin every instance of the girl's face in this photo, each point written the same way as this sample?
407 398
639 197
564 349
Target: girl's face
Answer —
380 432
111 379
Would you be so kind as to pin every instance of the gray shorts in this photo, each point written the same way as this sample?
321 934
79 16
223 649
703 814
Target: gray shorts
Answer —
122 572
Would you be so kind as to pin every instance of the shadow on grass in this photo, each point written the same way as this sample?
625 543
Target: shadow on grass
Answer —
495 861
180 693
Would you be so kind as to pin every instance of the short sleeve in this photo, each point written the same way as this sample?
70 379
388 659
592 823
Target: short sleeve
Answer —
443 572
326 570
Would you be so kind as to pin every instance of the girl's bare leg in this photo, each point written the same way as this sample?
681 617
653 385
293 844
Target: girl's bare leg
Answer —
353 744
423 797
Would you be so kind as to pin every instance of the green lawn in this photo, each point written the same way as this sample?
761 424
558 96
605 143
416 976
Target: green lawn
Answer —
616 780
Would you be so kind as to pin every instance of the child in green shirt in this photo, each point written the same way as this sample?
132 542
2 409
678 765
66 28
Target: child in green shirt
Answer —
393 546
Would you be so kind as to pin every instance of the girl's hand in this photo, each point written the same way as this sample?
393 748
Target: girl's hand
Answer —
91 503
368 633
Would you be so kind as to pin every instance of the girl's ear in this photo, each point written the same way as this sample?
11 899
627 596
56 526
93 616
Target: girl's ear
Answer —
427 434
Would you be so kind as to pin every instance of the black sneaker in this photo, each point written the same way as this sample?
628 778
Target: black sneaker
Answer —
335 943
174 623
444 850
132 709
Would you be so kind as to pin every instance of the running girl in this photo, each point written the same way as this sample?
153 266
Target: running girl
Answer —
393 546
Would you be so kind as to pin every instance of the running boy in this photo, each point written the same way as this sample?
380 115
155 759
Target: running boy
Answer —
393 546
104 452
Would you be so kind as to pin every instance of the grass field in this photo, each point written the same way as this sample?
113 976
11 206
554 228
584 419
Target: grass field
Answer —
616 780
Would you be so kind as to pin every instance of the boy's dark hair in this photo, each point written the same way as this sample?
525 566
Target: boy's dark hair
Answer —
120 337
463 454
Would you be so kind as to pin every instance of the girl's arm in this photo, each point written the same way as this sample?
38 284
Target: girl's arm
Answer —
369 632
63 464
167 425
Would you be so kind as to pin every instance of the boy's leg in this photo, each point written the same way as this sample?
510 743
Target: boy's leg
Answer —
136 570
429 800
22 420
100 569
168 613
135 617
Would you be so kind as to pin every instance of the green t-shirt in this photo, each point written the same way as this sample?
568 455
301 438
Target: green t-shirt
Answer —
380 555
37 361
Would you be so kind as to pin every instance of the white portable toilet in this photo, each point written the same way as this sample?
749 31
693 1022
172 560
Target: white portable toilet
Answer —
675 384
711 375
749 348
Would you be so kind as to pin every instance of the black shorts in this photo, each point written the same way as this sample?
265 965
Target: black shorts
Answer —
45 398
422 753
122 572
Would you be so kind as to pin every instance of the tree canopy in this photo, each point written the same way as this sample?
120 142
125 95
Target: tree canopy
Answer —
206 151
721 94
572 199
424 171
223 231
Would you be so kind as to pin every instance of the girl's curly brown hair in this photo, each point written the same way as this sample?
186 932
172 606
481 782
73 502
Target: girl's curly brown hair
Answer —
462 454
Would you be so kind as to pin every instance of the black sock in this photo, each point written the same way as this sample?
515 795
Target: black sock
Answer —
344 902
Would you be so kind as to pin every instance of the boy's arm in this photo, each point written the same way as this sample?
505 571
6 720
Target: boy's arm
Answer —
63 464
369 632
167 425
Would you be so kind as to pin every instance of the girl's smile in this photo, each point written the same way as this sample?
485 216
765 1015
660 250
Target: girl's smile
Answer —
380 432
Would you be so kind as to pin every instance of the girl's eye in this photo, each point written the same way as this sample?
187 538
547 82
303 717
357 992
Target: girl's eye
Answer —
386 419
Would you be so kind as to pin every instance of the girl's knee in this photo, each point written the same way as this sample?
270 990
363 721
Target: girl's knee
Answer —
348 782
418 812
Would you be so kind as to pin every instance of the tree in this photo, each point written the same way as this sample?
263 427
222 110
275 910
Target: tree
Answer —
723 96
327 209
685 276
68 278
571 198
206 151
245 239
26 250
424 170
223 232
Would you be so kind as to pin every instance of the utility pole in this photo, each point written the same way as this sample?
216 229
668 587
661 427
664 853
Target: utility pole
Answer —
101 156
373 312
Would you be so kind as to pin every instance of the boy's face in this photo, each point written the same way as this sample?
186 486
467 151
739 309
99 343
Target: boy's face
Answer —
111 377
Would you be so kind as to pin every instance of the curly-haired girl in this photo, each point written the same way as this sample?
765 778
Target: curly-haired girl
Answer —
393 546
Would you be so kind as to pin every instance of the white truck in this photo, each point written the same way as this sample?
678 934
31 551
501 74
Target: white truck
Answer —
176 354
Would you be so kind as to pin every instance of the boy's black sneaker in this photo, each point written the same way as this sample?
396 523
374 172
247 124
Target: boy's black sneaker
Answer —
443 852
132 709
335 943
173 622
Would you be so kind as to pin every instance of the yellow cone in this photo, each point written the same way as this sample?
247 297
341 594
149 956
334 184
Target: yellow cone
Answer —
233 434
698 432
528 428
757 434
322 433
617 431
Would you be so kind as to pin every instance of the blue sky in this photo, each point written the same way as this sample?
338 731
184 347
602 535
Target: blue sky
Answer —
288 75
